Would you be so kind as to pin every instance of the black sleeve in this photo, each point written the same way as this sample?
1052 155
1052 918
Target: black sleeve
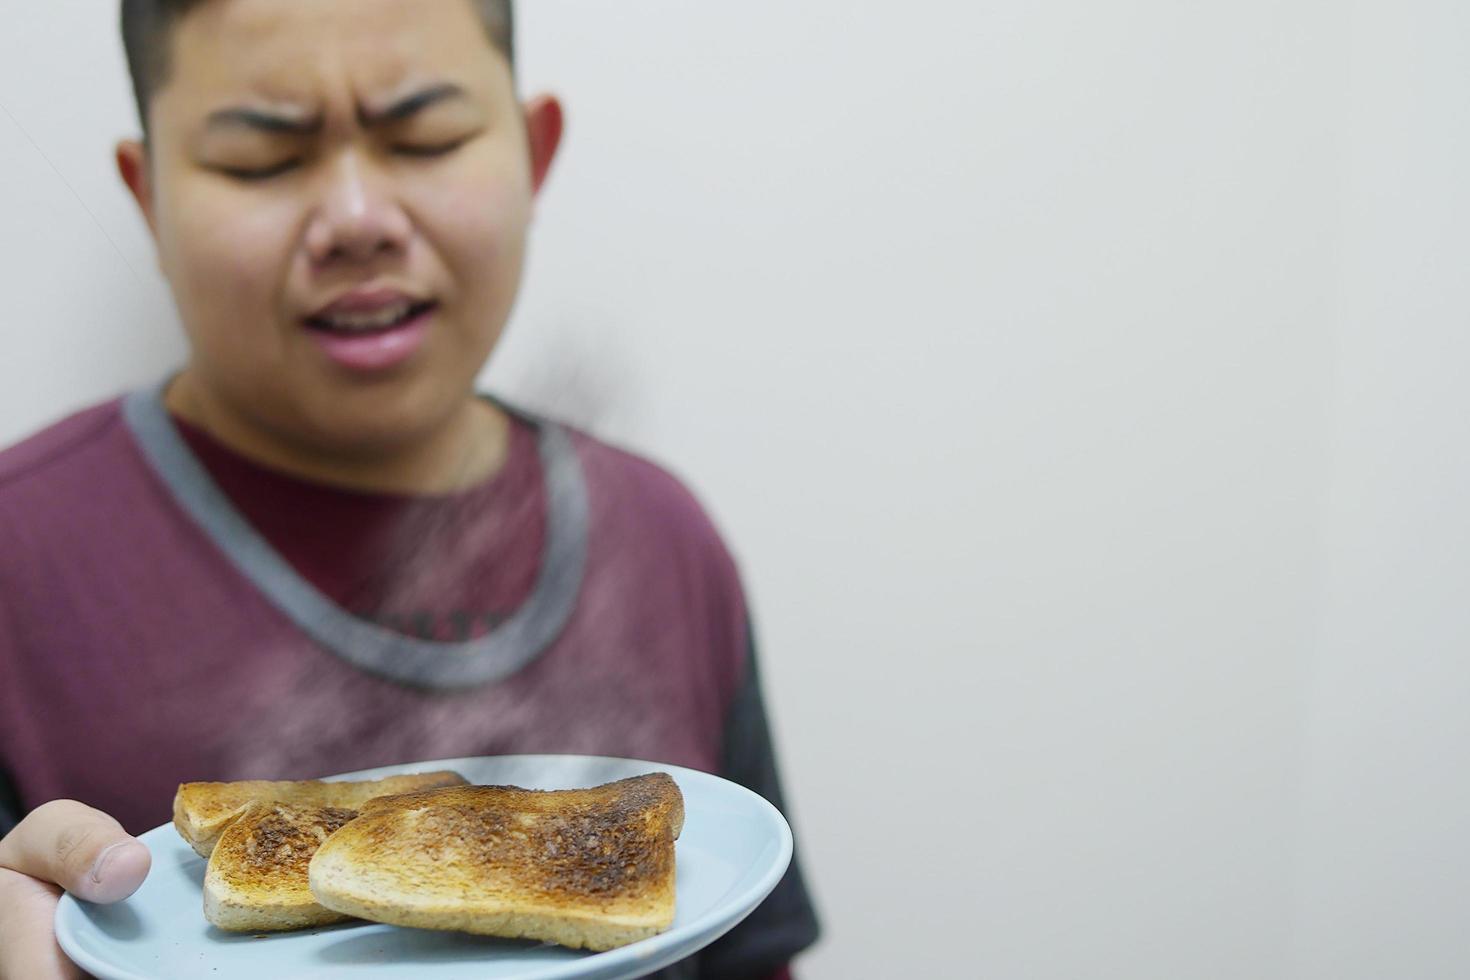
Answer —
786 922
10 808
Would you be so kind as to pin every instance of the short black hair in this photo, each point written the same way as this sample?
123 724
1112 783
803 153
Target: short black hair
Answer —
146 25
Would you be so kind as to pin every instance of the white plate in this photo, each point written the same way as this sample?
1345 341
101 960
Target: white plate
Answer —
734 848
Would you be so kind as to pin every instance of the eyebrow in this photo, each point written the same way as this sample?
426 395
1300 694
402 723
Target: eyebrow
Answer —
410 104
270 122
265 121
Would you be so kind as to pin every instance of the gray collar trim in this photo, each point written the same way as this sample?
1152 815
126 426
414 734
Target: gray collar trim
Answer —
423 663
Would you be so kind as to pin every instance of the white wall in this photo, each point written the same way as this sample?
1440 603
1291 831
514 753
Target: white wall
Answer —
1076 383
1385 858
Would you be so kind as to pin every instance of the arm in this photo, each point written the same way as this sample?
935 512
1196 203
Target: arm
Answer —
58 845
784 924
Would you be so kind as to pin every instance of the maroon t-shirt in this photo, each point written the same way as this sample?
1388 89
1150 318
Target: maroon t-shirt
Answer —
170 612
138 654
353 545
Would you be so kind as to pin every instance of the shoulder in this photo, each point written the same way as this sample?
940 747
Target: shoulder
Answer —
50 485
53 453
631 487
650 532
60 485
641 510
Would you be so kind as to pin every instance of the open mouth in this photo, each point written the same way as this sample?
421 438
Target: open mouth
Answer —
368 323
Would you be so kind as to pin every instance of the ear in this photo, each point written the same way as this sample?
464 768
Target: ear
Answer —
132 166
544 125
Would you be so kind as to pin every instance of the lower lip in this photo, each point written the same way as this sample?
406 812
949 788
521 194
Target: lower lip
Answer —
376 351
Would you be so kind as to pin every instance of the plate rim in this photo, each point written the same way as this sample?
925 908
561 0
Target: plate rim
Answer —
652 953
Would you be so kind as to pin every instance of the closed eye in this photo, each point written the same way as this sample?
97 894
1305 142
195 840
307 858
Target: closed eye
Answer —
430 150
259 173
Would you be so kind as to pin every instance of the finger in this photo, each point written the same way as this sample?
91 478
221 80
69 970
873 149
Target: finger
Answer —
81 849
27 944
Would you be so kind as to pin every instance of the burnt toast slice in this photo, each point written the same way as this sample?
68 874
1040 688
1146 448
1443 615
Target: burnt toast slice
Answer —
256 880
203 810
585 868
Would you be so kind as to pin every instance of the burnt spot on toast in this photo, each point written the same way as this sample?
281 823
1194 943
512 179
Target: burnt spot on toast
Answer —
274 842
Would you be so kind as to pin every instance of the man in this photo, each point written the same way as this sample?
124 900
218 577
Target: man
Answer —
316 548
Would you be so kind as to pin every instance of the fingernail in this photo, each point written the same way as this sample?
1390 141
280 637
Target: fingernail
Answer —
100 865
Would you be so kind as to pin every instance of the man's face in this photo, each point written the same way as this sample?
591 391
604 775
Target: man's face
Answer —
340 192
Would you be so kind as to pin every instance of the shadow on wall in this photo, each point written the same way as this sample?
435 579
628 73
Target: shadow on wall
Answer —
569 369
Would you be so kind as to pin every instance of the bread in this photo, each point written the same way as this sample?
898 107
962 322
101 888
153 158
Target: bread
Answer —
203 810
256 879
585 868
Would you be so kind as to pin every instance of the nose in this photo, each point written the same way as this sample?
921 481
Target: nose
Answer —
358 218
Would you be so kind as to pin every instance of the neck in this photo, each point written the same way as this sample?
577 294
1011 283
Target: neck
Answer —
464 450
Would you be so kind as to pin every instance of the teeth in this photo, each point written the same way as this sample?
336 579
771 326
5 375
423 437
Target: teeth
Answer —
368 321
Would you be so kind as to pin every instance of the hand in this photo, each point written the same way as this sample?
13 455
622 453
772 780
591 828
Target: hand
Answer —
62 844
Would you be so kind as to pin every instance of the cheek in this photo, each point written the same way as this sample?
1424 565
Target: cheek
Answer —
478 229
225 256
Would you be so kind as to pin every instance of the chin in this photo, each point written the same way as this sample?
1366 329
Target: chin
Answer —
369 421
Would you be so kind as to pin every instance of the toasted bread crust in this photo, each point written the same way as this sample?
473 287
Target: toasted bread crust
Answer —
590 868
257 875
203 810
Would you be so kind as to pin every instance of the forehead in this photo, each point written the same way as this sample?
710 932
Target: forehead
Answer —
314 51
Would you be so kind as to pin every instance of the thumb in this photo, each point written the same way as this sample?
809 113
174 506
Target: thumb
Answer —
81 849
